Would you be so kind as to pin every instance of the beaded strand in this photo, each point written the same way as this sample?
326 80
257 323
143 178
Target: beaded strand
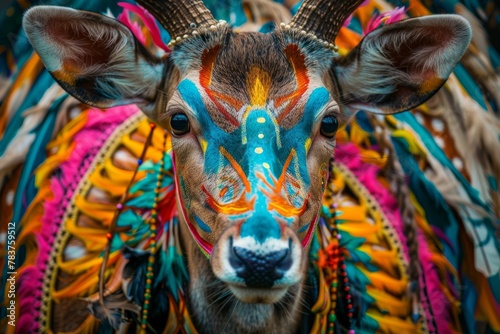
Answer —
179 39
152 235
332 316
339 263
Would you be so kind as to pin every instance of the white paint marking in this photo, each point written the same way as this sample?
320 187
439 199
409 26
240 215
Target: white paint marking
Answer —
9 198
437 125
458 163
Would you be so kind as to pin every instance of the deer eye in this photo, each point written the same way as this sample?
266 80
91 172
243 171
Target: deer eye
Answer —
329 126
179 124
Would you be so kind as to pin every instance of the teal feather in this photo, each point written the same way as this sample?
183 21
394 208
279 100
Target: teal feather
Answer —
349 242
174 271
145 187
315 247
468 305
35 94
470 85
440 215
229 10
144 200
494 56
36 155
129 218
360 256
438 212
356 276
438 153
494 283
472 193
368 324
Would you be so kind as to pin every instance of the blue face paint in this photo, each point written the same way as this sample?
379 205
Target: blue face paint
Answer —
296 137
304 228
261 160
213 134
201 224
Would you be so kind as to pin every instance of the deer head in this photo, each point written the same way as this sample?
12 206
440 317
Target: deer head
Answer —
253 120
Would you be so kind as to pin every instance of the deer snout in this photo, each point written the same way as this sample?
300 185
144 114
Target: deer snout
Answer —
256 269
260 269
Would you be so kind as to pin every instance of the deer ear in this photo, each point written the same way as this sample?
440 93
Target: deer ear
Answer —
95 58
401 65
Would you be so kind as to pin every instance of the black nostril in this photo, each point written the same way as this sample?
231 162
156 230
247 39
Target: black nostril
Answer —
285 262
235 260
260 270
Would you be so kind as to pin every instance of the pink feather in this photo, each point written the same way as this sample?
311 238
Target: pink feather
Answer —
89 141
349 18
431 291
395 15
349 155
149 22
347 21
438 309
133 26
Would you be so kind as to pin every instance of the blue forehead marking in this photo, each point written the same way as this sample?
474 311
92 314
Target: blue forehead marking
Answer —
291 138
214 135
258 151
190 94
317 101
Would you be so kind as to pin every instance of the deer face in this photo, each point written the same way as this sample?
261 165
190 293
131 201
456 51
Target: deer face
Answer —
252 138
252 116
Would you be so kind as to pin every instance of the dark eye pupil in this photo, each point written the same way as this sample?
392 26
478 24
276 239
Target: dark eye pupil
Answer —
329 126
179 124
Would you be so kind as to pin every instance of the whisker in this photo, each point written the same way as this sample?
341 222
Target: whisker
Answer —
223 305
230 316
223 295
213 283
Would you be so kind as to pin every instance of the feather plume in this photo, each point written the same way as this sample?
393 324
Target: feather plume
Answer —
117 310
149 22
395 15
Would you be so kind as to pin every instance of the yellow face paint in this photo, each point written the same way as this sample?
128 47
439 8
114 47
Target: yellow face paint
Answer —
308 144
203 144
258 85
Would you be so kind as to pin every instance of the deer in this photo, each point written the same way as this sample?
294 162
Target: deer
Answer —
252 119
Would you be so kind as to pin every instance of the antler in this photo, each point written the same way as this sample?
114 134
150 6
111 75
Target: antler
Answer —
323 18
180 18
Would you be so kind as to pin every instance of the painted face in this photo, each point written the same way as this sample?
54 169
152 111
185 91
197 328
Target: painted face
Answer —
252 139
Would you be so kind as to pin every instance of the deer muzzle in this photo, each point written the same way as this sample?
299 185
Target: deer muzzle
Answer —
255 268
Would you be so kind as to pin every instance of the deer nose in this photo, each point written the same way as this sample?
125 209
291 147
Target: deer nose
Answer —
260 270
